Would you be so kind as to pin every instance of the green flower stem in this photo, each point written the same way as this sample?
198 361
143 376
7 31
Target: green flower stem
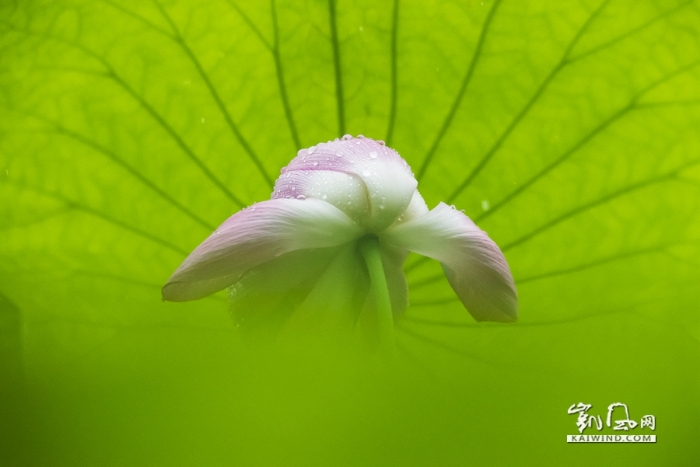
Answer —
369 248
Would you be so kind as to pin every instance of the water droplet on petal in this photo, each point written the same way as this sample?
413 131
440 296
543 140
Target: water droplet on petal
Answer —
301 197
373 155
324 196
366 173
339 154
361 136
315 163
312 149
347 137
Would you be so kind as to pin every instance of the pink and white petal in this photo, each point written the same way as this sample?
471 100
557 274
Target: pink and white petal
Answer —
416 208
388 178
345 191
254 236
350 155
473 263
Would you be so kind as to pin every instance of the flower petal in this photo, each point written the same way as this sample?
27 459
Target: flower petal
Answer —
345 191
392 260
256 235
416 208
389 181
330 306
473 263
265 297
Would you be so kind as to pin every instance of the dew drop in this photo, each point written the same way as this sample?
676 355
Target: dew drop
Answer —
485 205
381 143
339 154
315 163
301 197
312 149
373 155
347 137
360 136
366 173
324 196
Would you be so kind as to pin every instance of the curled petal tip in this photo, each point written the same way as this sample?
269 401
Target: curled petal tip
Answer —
473 263
171 292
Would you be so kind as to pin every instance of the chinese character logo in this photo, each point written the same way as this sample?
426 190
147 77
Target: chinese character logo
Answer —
584 420
618 417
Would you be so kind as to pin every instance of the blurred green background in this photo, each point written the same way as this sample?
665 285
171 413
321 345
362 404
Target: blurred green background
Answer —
566 129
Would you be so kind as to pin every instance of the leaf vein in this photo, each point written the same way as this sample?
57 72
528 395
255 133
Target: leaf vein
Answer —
111 74
180 40
528 105
280 79
394 90
340 100
427 160
95 213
